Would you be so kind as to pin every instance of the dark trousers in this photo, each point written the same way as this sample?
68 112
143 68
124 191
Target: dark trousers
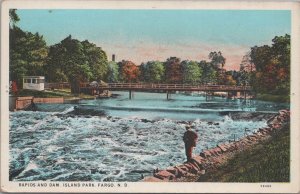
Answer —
188 152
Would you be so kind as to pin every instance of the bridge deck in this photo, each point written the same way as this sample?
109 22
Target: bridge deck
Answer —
168 87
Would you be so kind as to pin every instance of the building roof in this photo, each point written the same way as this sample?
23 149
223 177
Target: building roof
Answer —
41 77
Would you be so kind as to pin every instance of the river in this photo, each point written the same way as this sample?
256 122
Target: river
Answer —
133 138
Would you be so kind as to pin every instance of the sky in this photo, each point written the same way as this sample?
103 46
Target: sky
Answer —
146 35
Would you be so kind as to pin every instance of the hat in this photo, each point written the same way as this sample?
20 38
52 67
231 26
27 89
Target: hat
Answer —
188 127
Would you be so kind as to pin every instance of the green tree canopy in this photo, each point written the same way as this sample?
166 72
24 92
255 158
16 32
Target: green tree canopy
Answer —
13 17
192 72
69 57
113 72
153 72
209 74
217 60
97 60
27 54
144 72
272 64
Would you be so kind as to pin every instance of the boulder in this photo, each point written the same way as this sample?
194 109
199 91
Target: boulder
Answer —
230 146
172 170
183 168
246 142
199 166
238 146
205 154
146 121
192 168
215 151
209 123
152 179
250 138
222 147
198 160
180 172
164 175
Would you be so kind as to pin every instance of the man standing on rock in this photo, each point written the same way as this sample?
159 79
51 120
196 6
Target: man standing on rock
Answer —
190 138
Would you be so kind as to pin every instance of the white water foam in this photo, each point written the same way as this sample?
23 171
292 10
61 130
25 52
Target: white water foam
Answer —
65 147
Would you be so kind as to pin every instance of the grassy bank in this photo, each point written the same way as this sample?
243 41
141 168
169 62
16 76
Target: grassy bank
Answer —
266 162
273 98
53 93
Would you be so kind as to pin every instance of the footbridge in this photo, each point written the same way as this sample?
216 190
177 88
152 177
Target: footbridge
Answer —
168 88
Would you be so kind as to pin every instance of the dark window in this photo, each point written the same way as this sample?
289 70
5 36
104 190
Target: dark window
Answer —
40 81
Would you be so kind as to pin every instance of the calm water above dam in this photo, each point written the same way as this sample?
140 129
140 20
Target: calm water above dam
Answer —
133 138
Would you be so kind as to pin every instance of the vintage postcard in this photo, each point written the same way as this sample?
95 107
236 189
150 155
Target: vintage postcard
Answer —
150 96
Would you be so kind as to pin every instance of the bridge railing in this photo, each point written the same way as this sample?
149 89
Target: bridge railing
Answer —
150 86
172 86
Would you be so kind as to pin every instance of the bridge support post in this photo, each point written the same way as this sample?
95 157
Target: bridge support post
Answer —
168 95
206 96
245 95
130 94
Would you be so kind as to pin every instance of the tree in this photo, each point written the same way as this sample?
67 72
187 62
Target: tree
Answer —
272 64
173 70
68 56
97 60
217 60
209 74
27 54
191 72
144 72
13 18
247 69
152 71
261 56
282 50
113 72
229 80
129 72
247 64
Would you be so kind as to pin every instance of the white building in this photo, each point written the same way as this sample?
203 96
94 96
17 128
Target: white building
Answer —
33 82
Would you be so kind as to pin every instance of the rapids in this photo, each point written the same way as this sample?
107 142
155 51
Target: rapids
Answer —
132 138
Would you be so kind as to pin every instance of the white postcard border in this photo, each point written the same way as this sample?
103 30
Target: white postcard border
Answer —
141 187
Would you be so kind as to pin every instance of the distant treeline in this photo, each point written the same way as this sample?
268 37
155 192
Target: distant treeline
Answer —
266 68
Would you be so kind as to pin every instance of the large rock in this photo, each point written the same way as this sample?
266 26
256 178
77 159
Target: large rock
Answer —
198 159
152 179
164 175
199 166
180 172
192 168
172 170
205 154
222 147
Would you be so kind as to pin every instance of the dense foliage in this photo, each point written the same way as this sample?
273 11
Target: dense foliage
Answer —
27 54
76 61
129 72
272 64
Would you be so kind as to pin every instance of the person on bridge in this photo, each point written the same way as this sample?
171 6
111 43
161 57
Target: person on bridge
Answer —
190 138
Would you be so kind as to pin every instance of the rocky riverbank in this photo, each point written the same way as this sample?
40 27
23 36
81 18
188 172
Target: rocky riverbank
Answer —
215 157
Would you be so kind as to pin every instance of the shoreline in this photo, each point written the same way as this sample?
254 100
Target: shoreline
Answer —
215 157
